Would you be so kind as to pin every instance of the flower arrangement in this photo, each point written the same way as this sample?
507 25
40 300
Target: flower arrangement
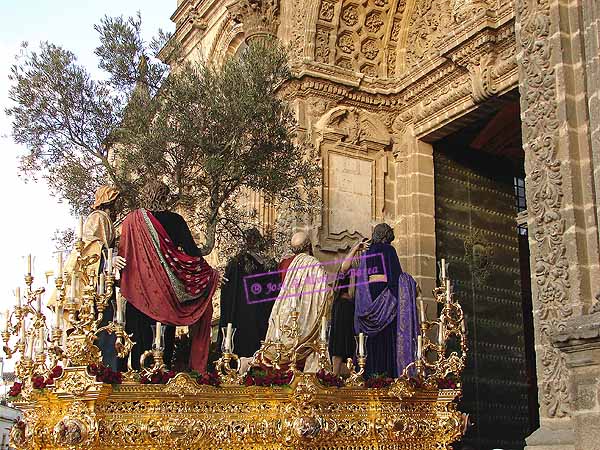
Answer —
378 381
208 379
450 382
268 377
157 377
38 382
105 374
328 379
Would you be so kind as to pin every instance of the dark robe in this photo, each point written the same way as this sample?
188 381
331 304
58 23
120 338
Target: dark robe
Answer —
381 348
341 335
139 323
251 319
106 342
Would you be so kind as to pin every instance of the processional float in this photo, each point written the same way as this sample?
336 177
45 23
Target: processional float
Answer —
69 402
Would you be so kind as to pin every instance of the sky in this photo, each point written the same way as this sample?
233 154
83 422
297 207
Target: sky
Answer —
30 213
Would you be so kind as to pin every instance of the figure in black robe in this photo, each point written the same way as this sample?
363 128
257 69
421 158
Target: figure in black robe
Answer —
137 322
249 315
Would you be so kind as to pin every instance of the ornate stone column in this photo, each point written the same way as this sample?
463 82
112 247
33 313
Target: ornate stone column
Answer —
561 204
260 18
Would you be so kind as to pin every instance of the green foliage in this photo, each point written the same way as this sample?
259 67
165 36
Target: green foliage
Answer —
211 133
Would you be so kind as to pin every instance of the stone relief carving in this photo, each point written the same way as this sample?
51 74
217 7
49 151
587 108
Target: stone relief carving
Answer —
481 67
545 198
327 11
260 17
322 50
428 25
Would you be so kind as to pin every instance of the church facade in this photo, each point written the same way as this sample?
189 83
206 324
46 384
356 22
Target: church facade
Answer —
471 127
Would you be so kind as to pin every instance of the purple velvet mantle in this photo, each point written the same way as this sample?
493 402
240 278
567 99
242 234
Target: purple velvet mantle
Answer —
373 315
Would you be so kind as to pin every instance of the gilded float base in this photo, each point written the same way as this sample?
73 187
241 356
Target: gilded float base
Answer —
79 413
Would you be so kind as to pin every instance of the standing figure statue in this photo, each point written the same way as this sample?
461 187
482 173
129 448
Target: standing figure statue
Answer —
98 237
342 344
249 315
167 280
385 308
304 288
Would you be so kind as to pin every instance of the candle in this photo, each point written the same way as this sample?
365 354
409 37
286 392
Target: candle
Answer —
30 343
109 266
323 329
422 311
441 339
158 334
228 337
73 287
361 344
119 309
23 331
80 235
39 303
29 264
448 292
6 320
419 346
60 264
277 329
294 303
443 269
41 342
101 284
18 295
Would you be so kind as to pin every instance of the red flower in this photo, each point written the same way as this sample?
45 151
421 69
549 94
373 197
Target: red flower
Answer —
15 389
38 382
56 372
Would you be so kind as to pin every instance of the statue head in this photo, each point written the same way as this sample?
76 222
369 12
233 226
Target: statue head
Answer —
300 243
253 240
155 196
383 233
105 198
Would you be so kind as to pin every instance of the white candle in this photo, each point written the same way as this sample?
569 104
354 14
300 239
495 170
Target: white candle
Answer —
60 264
29 264
422 310
441 332
294 303
30 343
39 304
158 334
80 235
23 331
6 321
101 284
448 292
119 309
277 329
109 266
419 346
73 287
443 269
18 296
41 342
361 344
228 335
323 328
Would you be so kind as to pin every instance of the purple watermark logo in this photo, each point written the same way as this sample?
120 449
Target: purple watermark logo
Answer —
313 278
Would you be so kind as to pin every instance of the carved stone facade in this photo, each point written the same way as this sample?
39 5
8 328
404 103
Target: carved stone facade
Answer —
378 81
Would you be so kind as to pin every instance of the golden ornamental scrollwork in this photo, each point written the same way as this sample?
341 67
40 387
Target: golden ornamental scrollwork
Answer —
182 385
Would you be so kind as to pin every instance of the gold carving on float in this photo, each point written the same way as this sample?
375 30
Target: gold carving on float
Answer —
74 411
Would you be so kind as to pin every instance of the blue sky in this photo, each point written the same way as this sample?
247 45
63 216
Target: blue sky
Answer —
30 213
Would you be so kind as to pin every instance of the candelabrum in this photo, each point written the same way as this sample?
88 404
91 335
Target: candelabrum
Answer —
227 373
78 314
157 355
357 378
447 353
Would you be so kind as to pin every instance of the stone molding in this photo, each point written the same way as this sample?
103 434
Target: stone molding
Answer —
259 17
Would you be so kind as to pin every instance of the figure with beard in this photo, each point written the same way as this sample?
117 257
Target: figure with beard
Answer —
250 316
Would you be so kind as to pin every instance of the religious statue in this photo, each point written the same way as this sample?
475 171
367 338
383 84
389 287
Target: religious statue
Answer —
249 315
342 344
166 280
385 308
304 289
98 235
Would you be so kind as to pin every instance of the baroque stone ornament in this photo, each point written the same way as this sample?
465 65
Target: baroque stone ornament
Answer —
545 199
259 17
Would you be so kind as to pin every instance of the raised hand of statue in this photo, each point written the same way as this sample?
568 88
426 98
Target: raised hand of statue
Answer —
119 262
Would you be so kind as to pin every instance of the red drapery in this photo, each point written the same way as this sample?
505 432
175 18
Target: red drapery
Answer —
145 283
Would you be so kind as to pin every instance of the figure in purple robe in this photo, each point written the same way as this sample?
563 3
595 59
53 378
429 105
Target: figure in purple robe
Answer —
385 307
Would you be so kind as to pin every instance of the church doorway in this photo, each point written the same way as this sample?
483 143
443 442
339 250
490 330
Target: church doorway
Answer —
481 230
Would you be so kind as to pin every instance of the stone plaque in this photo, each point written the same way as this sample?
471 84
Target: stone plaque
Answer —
350 194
